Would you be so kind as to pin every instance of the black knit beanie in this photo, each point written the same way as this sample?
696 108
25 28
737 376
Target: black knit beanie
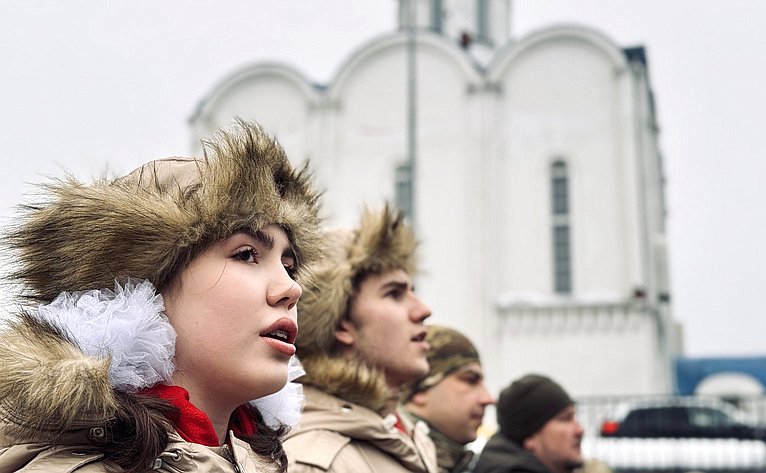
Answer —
527 404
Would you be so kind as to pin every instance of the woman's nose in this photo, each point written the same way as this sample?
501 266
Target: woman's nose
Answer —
284 291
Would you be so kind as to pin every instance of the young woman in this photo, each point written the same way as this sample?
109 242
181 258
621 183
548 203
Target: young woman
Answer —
157 374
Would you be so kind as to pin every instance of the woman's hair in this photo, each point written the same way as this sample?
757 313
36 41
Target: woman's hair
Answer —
267 441
139 433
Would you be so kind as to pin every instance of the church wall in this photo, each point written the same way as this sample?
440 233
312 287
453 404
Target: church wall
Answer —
275 100
486 142
368 137
371 142
560 101
606 350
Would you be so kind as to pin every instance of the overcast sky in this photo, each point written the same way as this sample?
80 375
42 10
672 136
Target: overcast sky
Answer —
86 82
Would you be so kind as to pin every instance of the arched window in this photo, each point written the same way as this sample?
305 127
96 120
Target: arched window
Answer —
437 12
403 188
561 234
482 20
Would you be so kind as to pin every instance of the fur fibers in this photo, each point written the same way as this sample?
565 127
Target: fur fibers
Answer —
151 223
381 243
147 225
47 385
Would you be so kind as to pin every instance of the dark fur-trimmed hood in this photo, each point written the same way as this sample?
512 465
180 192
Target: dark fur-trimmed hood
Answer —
154 221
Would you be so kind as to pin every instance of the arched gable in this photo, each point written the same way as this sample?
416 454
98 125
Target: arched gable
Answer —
240 79
436 45
505 57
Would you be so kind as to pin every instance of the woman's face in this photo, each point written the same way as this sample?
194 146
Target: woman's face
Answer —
234 310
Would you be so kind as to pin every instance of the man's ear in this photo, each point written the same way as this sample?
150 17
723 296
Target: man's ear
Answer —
530 444
345 334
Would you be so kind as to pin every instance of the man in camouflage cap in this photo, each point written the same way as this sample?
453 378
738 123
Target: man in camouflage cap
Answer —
451 398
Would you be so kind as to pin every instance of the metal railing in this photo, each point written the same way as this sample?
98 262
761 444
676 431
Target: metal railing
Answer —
636 453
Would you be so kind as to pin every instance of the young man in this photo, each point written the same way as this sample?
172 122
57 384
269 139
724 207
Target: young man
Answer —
538 430
361 339
451 398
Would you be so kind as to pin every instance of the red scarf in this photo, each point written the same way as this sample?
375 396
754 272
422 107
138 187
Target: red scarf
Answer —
195 426
400 425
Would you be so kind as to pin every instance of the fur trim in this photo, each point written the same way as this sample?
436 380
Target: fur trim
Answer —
382 242
47 384
151 223
350 379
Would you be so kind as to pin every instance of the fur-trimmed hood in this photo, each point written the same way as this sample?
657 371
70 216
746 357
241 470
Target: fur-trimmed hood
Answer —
58 411
382 242
55 386
48 386
154 221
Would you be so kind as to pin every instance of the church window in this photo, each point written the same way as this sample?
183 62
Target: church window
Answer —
436 15
562 259
482 19
403 188
560 188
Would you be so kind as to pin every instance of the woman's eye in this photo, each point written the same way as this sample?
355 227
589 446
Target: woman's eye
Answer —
247 255
395 294
289 264
292 271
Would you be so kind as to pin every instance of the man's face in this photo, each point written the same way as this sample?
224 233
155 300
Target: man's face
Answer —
557 443
455 406
385 327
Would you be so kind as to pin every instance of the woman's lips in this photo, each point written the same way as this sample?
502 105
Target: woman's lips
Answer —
285 348
281 336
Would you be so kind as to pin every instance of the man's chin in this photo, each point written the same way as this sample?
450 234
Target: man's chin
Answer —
574 464
418 372
406 377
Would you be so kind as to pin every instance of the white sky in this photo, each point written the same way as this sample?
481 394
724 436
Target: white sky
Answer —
84 82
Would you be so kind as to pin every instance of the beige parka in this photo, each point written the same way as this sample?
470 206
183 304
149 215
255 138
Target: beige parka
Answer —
64 435
343 437
345 427
84 457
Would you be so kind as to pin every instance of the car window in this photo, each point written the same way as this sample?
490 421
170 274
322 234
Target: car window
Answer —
707 417
655 418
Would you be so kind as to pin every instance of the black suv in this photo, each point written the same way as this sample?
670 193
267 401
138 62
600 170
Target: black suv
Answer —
680 420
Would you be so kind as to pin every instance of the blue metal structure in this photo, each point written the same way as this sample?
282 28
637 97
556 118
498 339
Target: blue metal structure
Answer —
691 371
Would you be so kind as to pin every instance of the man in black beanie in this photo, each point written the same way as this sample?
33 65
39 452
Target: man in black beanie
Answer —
538 431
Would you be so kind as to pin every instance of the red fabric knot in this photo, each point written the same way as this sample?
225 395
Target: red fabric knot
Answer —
192 424
195 426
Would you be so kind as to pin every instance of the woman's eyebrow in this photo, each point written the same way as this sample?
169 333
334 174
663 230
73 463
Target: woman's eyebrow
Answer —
266 239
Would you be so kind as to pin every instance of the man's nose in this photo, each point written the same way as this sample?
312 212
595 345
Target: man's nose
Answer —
420 312
578 428
486 397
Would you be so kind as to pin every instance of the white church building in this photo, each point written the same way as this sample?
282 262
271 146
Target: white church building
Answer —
531 170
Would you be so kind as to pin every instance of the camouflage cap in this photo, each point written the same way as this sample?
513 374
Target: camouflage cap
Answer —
449 351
